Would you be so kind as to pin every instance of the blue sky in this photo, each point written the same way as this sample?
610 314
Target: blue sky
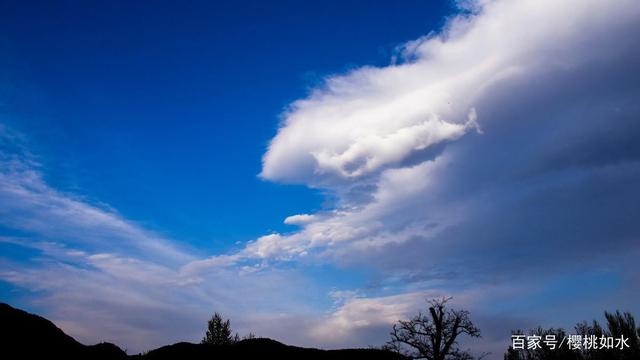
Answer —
324 166
163 92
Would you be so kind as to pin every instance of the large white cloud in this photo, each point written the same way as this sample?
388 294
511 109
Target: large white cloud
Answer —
501 150
375 118
540 82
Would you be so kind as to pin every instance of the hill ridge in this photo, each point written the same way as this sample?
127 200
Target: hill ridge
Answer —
26 335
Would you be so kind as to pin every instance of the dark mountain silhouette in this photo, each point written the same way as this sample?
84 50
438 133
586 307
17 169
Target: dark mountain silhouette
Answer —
27 336
262 348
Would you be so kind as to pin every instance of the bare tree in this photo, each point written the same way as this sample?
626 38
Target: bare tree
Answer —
433 336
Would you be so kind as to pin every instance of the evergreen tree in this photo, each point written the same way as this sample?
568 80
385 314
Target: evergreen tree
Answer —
218 331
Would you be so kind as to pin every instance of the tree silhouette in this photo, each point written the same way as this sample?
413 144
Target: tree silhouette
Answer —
543 353
433 336
618 325
219 331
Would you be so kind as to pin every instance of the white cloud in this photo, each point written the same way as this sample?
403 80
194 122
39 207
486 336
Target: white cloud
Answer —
501 151
55 215
375 118
357 314
395 133
299 219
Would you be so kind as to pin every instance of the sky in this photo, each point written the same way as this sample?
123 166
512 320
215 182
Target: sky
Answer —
324 166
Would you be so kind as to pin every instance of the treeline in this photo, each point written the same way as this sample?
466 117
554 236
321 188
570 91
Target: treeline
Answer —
618 340
433 335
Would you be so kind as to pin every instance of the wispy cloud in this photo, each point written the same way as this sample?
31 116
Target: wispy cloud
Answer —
32 206
103 277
